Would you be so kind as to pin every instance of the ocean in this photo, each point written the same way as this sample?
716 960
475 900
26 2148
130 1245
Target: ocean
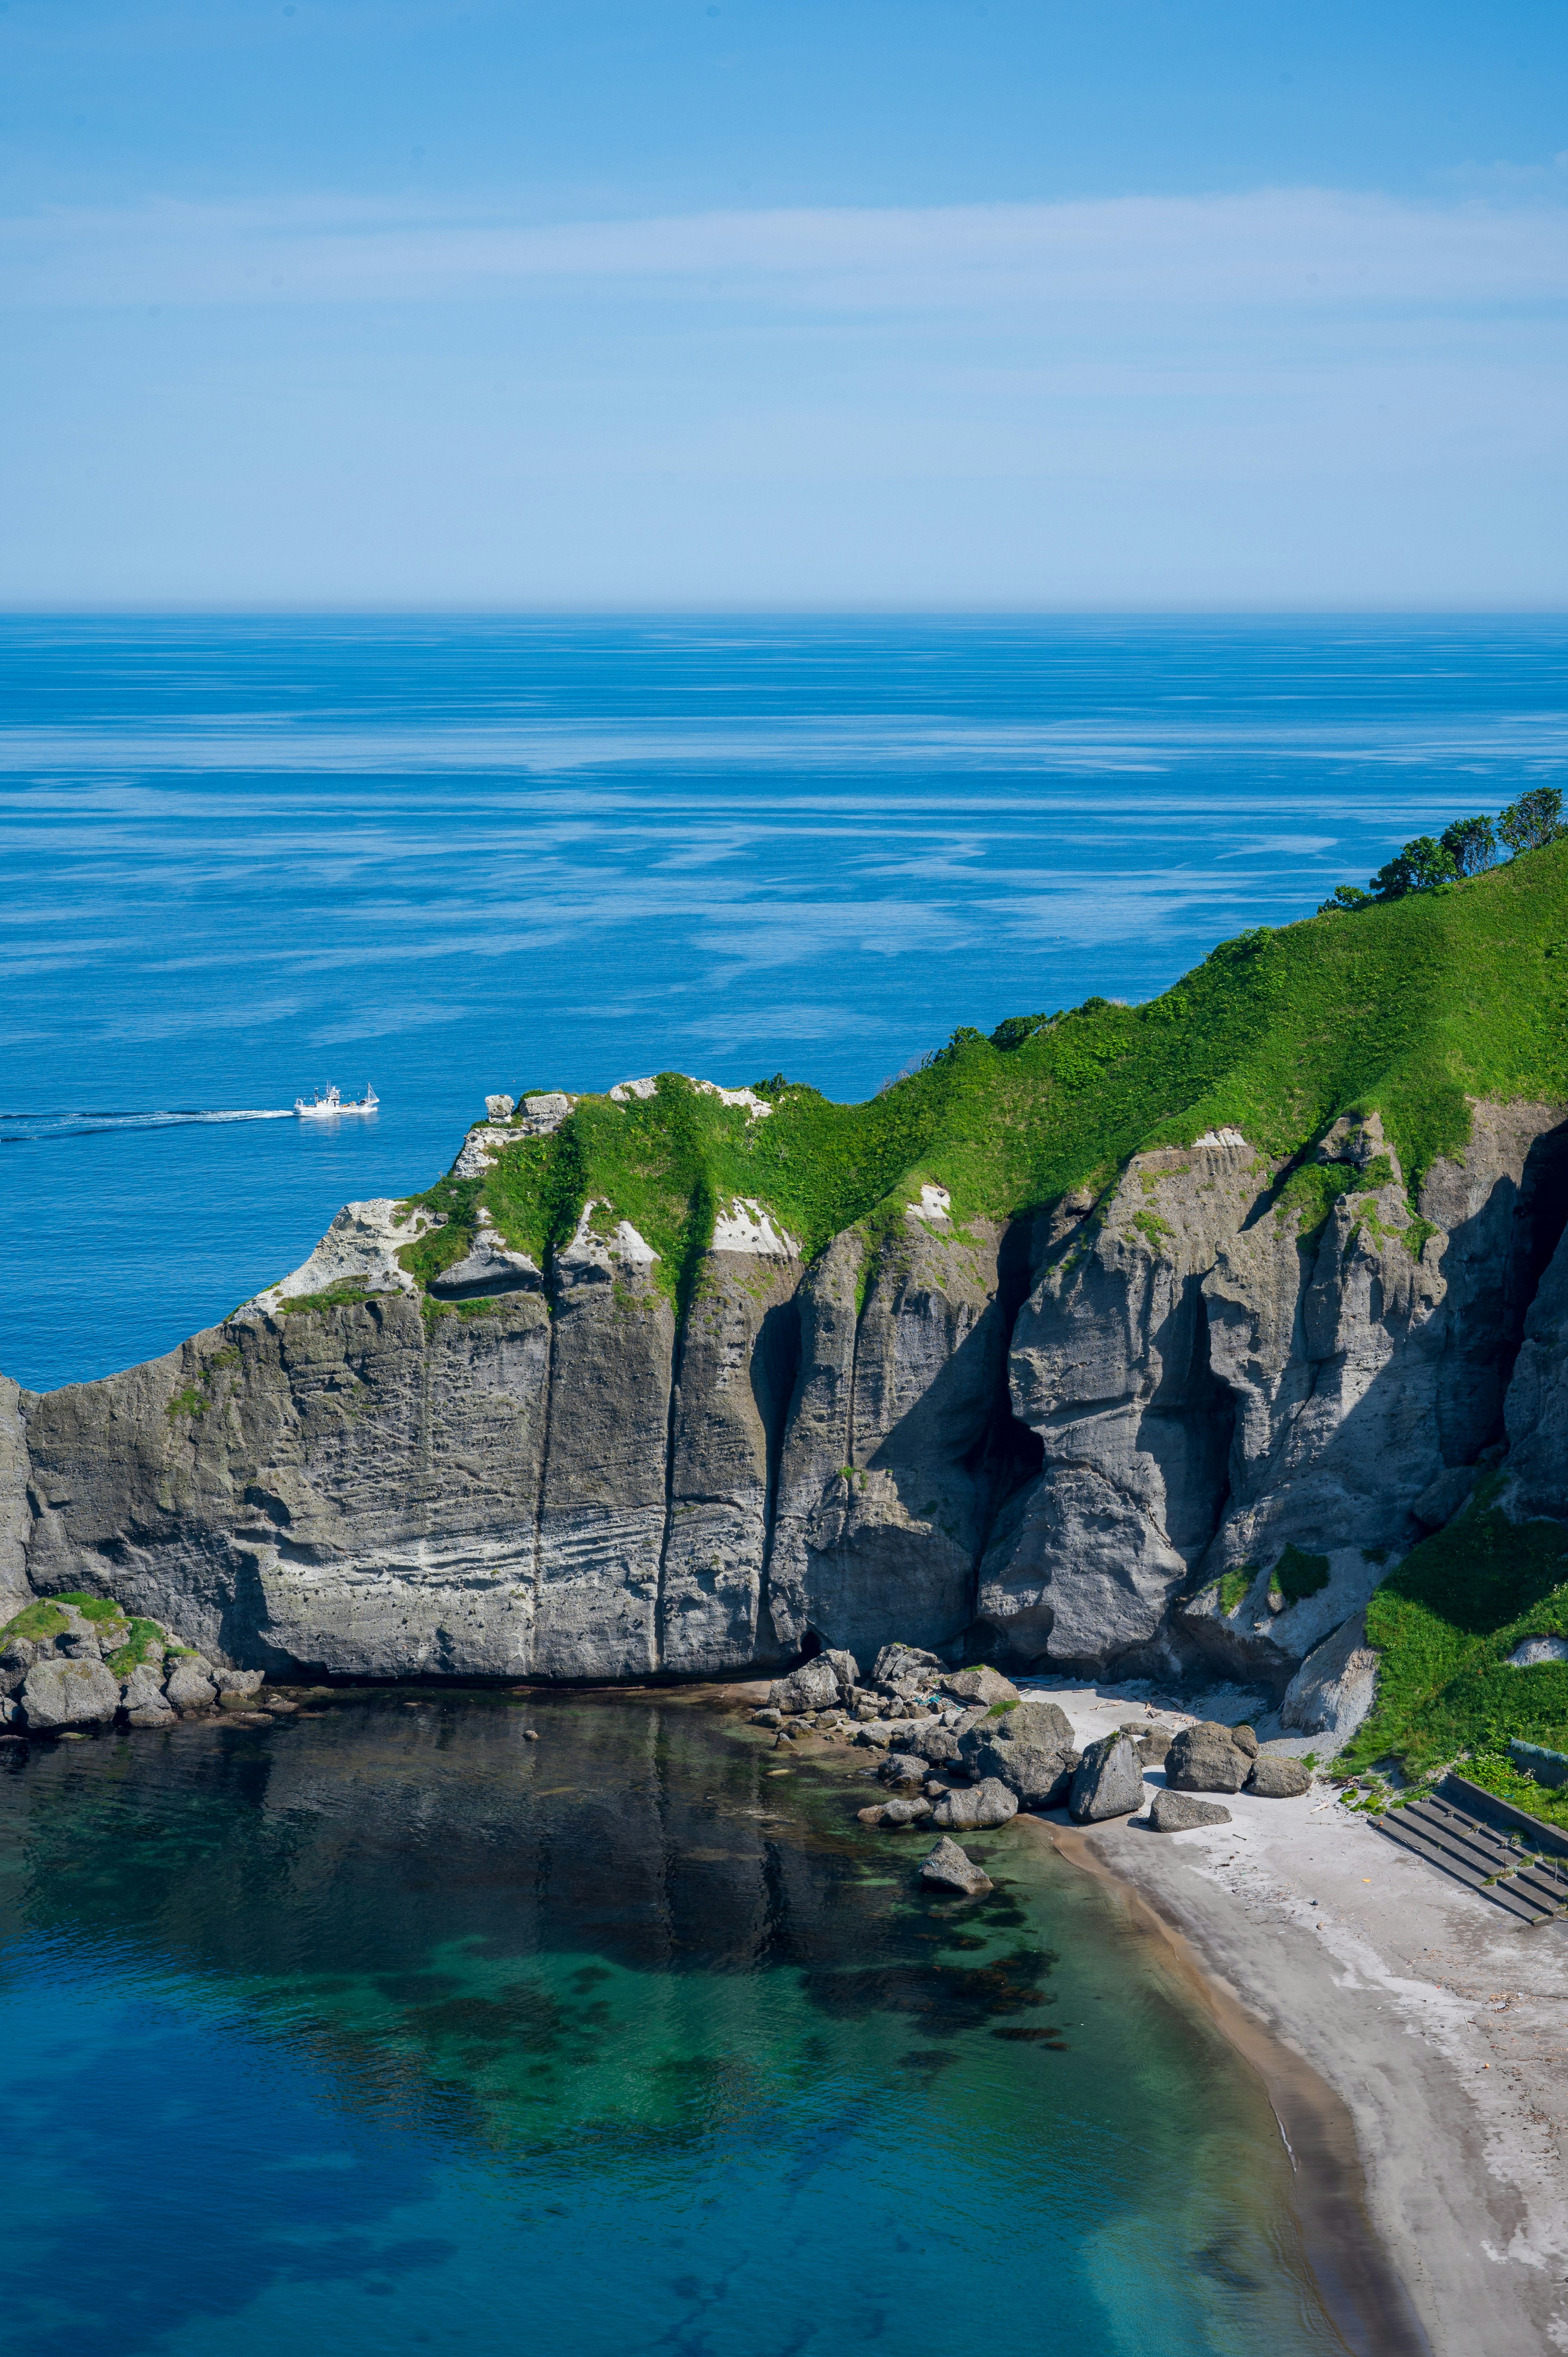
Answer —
247 857
385 2030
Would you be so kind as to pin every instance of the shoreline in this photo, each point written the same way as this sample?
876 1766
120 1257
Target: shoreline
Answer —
1363 2294
1412 2041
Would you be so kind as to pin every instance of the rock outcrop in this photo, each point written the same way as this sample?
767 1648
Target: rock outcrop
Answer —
1183 1426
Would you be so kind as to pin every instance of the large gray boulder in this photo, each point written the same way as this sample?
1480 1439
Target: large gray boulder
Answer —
904 1768
189 1687
1203 1759
1041 1779
908 1809
937 1743
950 1869
814 1686
972 1807
143 1699
1108 1781
63 1693
1277 1777
984 1684
1034 1720
1178 1812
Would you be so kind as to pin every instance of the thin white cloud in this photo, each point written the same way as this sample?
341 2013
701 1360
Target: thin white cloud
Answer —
1311 247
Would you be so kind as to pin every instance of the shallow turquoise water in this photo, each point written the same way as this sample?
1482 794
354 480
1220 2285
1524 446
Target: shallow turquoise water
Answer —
248 856
386 2031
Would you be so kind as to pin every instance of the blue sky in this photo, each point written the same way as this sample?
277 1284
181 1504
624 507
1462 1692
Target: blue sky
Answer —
772 303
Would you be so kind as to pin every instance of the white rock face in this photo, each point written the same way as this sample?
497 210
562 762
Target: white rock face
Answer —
500 1108
361 1247
1336 1686
743 1226
757 1108
935 1207
490 1266
1531 1651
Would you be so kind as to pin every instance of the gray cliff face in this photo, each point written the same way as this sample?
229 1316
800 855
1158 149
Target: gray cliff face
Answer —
1189 1427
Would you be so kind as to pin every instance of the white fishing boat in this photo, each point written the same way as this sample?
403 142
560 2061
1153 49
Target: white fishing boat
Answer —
326 1106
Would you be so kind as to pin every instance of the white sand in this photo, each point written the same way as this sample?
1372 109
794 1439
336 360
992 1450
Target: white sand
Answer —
1441 2023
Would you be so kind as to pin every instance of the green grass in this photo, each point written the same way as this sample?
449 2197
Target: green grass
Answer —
347 1296
1297 1575
36 1621
1496 1773
1404 1009
143 1636
190 1401
1445 1622
1234 1585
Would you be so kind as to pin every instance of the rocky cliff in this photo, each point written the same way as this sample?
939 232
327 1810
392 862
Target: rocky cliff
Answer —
1125 1342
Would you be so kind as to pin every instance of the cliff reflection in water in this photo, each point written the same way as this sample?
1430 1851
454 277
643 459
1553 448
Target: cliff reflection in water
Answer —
617 2035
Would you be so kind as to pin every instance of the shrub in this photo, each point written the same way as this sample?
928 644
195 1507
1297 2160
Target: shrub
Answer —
1534 819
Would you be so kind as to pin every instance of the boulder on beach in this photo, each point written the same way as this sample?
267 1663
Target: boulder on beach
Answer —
935 1742
814 1686
976 1805
1245 1739
1203 1759
903 1768
1177 1812
1033 1720
951 1869
1277 1777
979 1685
1108 1781
909 1808
895 1662
1040 1778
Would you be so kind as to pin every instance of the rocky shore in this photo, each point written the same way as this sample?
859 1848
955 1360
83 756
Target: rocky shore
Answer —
1410 2037
71 1663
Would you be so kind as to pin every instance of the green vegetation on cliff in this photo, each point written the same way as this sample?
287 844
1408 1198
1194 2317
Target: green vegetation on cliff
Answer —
1406 1009
1446 1622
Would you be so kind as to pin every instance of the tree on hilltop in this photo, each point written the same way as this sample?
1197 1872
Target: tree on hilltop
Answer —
1534 819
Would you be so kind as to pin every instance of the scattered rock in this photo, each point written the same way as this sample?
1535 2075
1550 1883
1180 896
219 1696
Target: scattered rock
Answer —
277 1701
1033 1720
979 1685
936 1743
1108 1781
1245 1739
60 1694
1041 1779
1202 1758
900 1660
1277 1777
1154 1741
189 1687
812 1686
873 1816
950 1869
531 1735
1177 1812
902 1767
987 1804
767 1716
910 1809
239 1682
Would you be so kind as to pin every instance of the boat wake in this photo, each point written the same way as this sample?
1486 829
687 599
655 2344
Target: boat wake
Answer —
56 1128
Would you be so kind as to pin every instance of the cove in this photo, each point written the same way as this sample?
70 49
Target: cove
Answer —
387 2028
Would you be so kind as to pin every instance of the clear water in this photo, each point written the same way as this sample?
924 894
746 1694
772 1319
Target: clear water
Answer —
245 857
386 2031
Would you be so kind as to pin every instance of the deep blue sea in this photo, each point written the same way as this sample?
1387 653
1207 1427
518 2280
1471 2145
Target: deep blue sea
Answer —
245 857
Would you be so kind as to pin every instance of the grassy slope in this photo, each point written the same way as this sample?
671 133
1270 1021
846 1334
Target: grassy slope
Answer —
1446 1622
1404 1008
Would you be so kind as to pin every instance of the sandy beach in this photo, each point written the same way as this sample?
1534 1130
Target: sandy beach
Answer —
1440 2024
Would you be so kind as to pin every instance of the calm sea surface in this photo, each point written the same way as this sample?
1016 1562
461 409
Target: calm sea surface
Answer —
245 857
385 2031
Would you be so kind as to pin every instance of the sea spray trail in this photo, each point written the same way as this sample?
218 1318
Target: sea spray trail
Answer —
56 1128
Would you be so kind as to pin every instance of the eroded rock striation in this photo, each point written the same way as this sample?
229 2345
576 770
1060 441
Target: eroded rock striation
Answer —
1181 1425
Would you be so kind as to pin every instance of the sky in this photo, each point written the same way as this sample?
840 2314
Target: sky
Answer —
1038 303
